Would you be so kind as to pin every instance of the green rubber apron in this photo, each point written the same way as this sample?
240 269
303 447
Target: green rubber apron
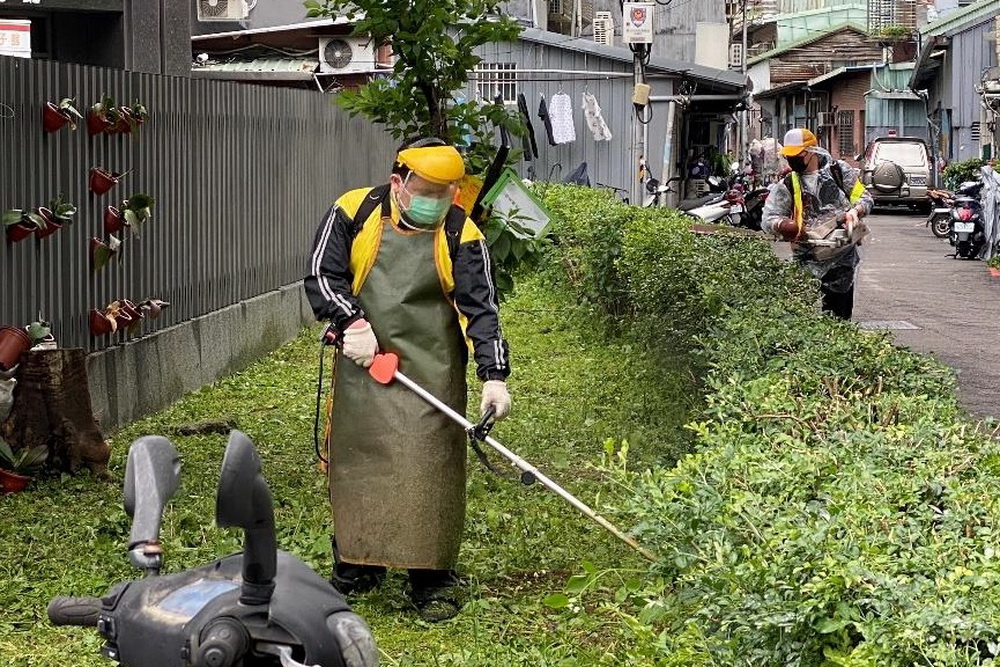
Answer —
397 465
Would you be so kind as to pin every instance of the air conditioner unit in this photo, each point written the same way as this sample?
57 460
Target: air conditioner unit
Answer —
344 55
222 10
735 56
826 118
604 28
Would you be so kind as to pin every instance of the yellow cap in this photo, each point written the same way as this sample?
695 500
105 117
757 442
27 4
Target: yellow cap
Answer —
796 141
437 164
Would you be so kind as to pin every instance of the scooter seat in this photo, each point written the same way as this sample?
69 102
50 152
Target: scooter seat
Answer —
689 204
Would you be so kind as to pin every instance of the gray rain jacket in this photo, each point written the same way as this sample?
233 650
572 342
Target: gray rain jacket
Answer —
829 197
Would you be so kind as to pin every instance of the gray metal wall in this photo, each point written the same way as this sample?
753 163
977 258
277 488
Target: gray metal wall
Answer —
675 24
609 162
241 177
970 54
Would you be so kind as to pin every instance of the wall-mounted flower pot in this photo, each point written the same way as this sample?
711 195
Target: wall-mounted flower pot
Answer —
11 482
153 307
101 252
13 343
97 124
114 220
19 232
101 324
101 180
52 224
53 119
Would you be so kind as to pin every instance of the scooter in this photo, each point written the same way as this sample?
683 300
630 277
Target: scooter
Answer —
259 608
966 232
939 219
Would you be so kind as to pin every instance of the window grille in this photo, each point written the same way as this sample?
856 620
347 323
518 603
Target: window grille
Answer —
497 78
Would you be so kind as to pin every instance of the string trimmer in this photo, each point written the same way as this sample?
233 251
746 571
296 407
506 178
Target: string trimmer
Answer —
385 370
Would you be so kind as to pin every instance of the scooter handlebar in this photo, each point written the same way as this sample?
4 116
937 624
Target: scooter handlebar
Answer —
74 611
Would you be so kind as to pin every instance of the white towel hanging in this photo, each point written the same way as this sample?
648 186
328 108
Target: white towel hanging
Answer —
595 121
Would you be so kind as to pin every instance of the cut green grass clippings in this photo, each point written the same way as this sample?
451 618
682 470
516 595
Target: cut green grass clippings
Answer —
573 392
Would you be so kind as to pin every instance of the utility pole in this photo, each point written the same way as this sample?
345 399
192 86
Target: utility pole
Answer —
745 114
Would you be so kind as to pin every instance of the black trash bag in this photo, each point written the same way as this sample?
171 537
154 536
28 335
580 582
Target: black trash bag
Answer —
579 176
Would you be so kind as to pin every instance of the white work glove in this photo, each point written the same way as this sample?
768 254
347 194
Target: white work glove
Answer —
360 345
851 219
495 395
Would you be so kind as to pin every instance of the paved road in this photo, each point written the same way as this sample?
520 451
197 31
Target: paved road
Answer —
933 303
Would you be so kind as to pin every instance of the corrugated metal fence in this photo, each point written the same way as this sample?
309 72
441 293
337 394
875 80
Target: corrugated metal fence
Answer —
241 175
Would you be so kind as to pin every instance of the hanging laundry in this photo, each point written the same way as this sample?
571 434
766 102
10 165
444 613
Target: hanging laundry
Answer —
528 140
561 114
595 121
543 113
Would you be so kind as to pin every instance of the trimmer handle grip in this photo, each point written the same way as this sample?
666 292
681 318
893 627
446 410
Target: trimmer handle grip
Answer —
332 336
75 611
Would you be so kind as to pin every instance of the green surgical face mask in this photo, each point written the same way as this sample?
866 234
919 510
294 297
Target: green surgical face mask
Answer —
426 212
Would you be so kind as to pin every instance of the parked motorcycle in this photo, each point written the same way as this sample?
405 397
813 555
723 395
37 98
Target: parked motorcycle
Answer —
939 219
259 608
967 233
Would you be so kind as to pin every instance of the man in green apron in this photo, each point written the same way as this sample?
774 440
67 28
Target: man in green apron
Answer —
399 268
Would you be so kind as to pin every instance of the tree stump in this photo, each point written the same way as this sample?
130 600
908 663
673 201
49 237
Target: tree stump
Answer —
52 408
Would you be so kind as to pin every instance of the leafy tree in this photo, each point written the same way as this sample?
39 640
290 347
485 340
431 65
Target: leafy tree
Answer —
434 42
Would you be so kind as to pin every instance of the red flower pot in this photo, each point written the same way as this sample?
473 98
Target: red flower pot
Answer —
101 181
100 325
19 232
11 482
52 225
97 124
13 343
114 221
994 272
53 119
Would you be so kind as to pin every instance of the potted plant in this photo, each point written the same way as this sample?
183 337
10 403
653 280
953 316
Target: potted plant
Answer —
114 220
153 307
18 468
136 210
55 116
14 342
56 214
994 266
21 223
131 117
101 252
101 324
103 116
40 332
102 180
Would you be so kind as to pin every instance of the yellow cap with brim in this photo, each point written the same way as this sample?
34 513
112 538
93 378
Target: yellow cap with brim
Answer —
796 141
437 164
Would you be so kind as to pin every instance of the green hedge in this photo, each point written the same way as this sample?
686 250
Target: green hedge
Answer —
836 508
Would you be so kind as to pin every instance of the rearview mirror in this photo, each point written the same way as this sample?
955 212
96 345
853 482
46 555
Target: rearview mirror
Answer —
152 473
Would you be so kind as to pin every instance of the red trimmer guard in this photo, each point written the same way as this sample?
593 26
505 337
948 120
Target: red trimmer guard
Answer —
383 367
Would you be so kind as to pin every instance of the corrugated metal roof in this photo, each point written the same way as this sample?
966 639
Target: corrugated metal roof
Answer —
961 19
582 44
275 69
767 55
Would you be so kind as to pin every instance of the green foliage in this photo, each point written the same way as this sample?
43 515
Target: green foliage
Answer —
836 509
572 391
959 172
26 461
434 42
994 262
513 248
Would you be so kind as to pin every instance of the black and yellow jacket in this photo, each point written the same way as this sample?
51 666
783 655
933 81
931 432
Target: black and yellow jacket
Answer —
343 254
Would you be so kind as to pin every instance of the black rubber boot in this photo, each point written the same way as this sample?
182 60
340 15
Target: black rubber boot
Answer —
352 578
436 594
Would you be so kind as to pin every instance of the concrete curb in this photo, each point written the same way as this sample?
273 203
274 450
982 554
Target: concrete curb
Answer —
138 378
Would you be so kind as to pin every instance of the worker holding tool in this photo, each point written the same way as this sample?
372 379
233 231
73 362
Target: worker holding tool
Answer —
819 187
398 268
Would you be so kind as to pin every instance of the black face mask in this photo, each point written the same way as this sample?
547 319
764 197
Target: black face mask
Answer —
797 163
